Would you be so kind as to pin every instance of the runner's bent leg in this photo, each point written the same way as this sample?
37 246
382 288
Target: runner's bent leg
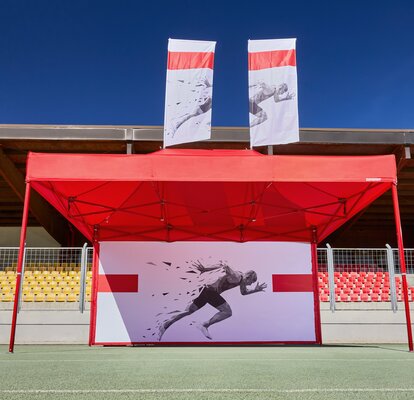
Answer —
224 313
191 308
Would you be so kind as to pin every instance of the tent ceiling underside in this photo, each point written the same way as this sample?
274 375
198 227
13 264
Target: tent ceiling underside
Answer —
185 210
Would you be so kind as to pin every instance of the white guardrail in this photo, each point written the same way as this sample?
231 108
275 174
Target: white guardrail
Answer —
331 261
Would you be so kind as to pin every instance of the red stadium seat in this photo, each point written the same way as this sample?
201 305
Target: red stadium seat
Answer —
375 297
385 297
324 298
355 298
365 298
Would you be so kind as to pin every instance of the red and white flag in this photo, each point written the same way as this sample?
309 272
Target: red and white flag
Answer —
273 92
189 91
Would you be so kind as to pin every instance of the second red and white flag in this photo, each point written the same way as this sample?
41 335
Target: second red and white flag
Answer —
273 104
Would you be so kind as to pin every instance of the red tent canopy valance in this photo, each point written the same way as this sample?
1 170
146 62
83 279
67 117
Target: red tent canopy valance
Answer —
230 195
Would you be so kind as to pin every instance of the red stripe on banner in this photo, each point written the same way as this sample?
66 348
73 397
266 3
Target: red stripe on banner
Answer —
292 283
118 283
190 60
272 59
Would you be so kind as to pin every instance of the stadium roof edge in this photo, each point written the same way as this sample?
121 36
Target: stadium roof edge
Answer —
134 133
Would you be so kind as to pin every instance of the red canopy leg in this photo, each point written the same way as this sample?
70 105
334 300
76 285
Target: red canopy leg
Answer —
402 264
20 265
317 309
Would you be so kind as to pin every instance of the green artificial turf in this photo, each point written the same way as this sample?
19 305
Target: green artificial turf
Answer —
297 372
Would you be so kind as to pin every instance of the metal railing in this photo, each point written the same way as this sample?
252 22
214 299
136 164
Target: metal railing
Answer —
66 259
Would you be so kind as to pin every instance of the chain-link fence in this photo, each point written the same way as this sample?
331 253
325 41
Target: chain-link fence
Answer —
54 274
50 274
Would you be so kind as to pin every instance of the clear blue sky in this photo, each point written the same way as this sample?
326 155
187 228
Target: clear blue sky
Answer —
103 62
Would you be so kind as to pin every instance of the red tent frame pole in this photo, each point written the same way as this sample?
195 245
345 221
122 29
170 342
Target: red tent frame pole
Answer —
20 265
402 264
317 309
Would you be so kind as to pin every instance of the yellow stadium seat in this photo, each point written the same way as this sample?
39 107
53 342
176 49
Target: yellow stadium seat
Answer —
4 282
89 274
54 272
88 297
2 272
29 297
40 297
37 290
88 290
72 273
47 289
76 290
26 290
36 273
10 271
53 284
6 289
7 297
58 278
73 284
62 284
48 278
50 297
45 272
61 298
67 290
68 278
72 297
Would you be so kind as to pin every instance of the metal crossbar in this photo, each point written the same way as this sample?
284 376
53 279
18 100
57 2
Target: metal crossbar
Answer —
68 259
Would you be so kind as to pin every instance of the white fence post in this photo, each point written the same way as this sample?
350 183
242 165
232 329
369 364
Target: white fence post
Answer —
19 300
84 263
391 271
330 259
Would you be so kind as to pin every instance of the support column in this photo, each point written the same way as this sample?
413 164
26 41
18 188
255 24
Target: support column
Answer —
402 264
20 265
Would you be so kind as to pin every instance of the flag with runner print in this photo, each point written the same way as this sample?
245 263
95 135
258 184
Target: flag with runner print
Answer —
273 93
189 91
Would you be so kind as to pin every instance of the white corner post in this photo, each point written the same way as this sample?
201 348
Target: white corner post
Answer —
391 272
331 278
84 263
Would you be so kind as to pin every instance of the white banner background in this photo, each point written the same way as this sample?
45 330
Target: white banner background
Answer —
261 316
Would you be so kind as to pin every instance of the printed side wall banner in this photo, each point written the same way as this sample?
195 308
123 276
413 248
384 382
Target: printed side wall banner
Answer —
273 92
189 91
190 292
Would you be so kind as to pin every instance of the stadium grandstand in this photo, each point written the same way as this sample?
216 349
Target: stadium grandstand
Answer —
57 269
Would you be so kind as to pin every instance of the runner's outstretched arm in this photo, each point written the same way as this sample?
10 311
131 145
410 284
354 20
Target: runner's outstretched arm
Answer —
260 287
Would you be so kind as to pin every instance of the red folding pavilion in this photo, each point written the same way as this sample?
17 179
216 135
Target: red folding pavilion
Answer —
208 195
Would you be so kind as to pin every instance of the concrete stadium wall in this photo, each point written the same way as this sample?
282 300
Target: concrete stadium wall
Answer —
63 323
36 237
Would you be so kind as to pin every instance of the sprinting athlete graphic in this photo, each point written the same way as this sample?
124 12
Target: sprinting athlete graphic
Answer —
264 92
211 294
204 90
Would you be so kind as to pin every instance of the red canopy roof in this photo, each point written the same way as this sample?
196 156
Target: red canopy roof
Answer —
233 195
